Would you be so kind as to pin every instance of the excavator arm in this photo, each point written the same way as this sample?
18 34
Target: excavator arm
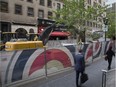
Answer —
44 36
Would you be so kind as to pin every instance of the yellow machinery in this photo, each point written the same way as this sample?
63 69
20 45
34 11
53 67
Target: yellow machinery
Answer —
11 46
10 34
21 44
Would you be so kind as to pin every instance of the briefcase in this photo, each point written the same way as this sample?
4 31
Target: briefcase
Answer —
84 78
106 57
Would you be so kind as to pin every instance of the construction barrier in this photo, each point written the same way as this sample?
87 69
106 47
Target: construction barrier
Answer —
23 65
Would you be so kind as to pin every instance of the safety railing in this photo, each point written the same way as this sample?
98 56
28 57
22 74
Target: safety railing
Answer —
108 78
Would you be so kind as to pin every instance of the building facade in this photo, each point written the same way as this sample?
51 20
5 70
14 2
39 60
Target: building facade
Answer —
22 15
112 8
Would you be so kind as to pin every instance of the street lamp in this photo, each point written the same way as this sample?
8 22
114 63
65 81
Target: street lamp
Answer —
105 20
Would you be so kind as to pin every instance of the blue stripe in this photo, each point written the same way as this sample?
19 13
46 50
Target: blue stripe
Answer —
9 64
71 48
98 54
84 49
20 64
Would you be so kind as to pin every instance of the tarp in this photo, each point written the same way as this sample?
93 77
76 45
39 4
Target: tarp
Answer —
56 33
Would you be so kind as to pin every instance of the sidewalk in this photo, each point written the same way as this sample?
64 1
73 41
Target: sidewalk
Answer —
110 78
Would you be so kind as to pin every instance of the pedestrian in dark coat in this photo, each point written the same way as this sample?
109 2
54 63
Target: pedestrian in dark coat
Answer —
79 65
110 54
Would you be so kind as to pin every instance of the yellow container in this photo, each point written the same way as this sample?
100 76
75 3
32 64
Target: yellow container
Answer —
11 46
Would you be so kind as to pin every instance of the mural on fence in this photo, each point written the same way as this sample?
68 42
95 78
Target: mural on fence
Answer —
97 48
26 64
56 55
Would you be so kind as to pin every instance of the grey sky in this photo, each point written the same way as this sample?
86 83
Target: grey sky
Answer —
110 1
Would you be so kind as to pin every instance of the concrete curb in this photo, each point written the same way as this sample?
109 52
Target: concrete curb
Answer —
42 79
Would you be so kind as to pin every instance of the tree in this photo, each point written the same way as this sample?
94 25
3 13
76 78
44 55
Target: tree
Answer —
95 36
111 24
75 14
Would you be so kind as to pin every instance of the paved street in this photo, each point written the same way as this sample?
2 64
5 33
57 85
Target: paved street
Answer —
68 79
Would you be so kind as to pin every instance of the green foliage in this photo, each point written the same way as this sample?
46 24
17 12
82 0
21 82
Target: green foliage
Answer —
95 36
75 12
111 24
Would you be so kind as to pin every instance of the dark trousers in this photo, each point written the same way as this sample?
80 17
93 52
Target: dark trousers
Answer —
109 63
77 77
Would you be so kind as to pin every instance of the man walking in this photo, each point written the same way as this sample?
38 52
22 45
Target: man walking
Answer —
110 54
79 65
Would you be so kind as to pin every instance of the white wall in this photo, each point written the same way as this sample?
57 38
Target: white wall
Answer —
27 28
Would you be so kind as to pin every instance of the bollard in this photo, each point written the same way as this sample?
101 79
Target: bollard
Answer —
104 78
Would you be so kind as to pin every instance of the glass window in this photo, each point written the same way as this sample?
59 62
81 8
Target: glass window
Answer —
49 3
58 16
49 15
100 19
95 4
3 6
87 23
99 1
99 25
96 25
30 1
41 13
93 24
58 6
90 24
30 11
41 2
89 2
84 23
18 9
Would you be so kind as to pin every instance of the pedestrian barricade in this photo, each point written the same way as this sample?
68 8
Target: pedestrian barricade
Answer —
22 65
108 78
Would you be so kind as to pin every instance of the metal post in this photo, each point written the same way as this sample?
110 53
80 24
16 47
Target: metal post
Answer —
84 36
105 35
105 20
104 78
45 61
